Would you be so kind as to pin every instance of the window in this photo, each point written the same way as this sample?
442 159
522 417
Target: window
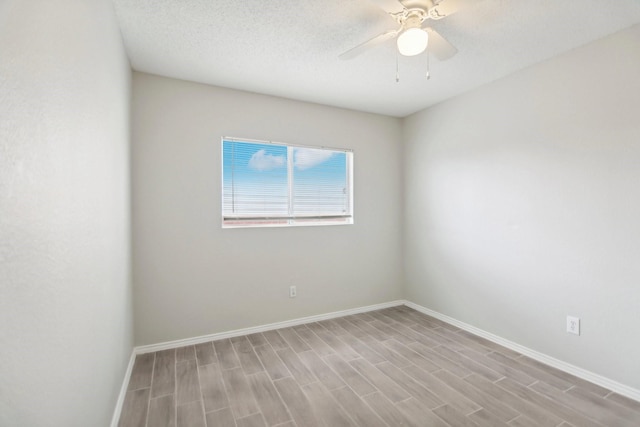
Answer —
273 184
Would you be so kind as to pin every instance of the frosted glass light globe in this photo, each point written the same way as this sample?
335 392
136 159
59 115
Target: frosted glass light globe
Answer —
413 41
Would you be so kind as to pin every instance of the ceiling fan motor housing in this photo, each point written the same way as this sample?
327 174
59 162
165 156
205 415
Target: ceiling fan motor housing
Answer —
413 20
418 4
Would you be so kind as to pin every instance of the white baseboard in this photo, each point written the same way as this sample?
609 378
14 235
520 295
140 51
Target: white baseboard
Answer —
123 391
255 329
540 357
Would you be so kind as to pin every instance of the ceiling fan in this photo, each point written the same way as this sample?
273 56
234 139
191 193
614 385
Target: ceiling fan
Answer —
413 34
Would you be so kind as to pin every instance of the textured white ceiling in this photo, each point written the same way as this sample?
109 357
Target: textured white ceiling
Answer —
290 48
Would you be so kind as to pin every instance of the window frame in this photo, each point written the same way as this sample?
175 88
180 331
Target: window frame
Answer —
288 220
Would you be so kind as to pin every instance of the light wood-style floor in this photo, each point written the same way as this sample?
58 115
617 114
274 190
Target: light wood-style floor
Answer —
392 367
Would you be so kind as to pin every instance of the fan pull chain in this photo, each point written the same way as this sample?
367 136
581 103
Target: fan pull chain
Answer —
397 68
428 73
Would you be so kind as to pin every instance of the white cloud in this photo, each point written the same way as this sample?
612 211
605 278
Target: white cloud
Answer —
306 158
261 161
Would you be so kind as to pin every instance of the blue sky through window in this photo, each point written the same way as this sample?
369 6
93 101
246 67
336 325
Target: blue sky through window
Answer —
256 180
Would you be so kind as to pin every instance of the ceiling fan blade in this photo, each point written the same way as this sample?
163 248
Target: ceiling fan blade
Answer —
352 53
449 7
439 46
389 6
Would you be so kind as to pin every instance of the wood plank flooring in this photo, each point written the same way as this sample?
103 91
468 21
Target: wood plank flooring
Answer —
391 367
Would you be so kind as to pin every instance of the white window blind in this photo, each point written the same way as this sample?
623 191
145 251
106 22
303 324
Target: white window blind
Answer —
273 184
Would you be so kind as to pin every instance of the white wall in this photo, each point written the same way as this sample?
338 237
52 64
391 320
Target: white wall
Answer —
193 278
65 293
523 206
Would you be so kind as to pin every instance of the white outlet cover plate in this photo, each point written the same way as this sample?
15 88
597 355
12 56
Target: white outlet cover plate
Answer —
573 325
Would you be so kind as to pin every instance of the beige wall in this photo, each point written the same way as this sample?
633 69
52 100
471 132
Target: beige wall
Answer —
193 278
523 206
66 329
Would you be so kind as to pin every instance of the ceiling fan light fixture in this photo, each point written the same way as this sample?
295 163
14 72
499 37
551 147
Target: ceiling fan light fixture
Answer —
412 41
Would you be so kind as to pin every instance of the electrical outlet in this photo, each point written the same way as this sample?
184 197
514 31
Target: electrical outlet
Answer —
573 325
292 292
